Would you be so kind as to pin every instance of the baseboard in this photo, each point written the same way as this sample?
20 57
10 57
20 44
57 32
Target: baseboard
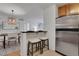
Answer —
60 53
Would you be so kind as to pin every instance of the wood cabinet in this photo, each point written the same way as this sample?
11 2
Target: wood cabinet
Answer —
74 9
62 10
68 9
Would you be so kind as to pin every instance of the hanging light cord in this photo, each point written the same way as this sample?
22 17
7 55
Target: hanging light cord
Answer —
12 13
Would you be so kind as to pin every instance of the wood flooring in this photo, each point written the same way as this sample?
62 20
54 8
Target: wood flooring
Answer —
45 53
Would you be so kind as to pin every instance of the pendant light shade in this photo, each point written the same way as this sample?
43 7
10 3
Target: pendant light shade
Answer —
12 18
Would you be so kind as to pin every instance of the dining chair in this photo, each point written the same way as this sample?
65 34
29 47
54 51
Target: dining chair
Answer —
1 41
12 37
19 36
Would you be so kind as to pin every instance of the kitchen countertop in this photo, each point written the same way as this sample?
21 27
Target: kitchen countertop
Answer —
32 31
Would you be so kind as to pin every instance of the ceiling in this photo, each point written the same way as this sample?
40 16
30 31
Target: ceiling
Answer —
24 10
30 12
60 4
21 8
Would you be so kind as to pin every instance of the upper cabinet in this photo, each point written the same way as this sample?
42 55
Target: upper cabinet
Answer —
74 8
62 10
68 9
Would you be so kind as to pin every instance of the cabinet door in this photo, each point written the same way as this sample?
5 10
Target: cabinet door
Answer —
68 9
62 10
74 8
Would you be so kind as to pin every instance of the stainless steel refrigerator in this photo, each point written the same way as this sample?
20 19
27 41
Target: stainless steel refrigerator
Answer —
67 35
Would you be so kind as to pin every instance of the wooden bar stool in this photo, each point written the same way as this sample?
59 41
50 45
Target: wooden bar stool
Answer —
44 43
31 43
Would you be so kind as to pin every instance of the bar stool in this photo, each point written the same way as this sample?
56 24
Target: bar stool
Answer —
44 43
31 43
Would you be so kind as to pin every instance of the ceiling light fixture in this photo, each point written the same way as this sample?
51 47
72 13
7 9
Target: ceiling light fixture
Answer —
12 18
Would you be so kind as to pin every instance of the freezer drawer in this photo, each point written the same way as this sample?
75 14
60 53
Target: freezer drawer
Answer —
67 42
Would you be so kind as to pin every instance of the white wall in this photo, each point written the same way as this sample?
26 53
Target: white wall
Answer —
34 22
49 24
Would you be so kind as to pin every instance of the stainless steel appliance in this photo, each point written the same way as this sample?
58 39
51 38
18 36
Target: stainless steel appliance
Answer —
67 36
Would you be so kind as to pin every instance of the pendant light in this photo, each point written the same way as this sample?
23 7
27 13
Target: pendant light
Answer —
12 18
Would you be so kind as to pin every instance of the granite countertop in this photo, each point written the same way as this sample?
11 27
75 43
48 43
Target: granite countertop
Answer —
33 31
